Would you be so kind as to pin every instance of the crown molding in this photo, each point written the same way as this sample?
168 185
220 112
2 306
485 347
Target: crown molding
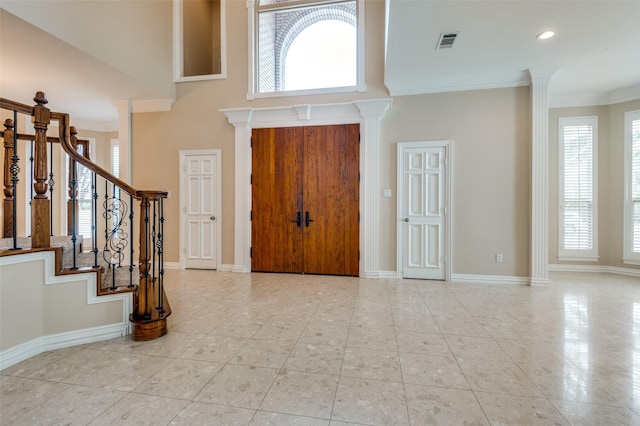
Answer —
152 105
627 94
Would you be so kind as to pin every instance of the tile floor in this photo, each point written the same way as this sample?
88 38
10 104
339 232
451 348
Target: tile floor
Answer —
271 349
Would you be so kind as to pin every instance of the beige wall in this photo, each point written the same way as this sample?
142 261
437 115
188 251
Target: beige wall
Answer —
489 129
610 180
195 122
29 309
490 184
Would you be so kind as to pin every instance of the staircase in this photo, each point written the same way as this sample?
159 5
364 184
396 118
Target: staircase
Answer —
122 264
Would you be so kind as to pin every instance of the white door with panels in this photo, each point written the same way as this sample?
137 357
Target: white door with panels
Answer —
200 230
423 210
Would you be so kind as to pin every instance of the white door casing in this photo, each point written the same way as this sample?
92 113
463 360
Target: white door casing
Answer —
424 210
200 209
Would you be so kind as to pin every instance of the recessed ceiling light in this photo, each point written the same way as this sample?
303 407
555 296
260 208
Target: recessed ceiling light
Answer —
545 35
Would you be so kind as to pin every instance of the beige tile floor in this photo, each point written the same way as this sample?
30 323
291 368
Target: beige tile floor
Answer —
273 349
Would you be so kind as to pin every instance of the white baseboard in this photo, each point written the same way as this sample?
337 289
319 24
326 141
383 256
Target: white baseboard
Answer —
171 265
595 269
225 268
490 279
42 344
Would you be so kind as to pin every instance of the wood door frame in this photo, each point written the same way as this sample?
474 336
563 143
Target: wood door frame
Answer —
366 112
448 229
183 154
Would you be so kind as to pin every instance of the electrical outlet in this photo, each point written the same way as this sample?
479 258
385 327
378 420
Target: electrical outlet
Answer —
499 258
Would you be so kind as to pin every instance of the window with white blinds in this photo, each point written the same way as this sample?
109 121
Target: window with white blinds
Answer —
115 157
632 188
578 160
84 179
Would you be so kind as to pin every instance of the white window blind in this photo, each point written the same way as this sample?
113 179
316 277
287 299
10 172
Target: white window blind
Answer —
115 158
578 188
632 188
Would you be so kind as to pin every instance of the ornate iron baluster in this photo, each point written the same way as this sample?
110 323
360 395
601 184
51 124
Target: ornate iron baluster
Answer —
94 214
51 183
15 169
115 211
31 160
131 265
160 248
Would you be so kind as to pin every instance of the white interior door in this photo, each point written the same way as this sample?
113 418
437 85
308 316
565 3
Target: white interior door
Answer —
201 211
422 210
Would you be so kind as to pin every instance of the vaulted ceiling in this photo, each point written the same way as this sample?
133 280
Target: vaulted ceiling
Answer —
595 54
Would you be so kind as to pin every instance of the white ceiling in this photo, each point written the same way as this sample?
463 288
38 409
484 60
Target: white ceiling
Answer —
596 50
75 83
596 54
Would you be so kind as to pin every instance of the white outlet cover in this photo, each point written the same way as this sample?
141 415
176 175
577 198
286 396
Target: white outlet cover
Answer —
386 193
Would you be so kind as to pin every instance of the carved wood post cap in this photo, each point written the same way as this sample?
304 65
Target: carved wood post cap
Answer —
73 131
41 98
8 123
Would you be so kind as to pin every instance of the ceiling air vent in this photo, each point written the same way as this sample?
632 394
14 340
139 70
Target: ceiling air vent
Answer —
446 40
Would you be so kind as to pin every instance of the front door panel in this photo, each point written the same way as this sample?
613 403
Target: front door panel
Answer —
310 173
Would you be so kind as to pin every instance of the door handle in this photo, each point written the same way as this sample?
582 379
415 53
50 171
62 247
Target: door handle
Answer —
212 218
406 219
298 219
307 219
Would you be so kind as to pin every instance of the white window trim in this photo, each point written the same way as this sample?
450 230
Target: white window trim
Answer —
577 255
628 256
178 51
253 92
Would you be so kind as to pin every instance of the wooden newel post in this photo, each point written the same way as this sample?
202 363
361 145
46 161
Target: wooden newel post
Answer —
7 202
150 305
143 310
72 203
40 204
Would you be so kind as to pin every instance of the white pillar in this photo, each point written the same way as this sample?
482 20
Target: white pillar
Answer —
371 111
240 118
539 266
124 139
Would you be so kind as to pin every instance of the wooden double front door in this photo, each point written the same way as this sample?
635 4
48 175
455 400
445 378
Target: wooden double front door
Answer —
305 200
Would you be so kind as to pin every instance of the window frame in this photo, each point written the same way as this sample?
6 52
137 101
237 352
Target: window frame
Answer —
590 255
87 239
252 92
629 256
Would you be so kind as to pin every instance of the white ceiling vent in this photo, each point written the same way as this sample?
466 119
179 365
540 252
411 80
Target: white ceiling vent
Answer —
446 40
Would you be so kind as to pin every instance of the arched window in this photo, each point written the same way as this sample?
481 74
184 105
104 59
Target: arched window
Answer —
322 55
306 45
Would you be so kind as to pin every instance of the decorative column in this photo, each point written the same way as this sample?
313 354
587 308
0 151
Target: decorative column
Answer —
124 138
40 204
539 267
240 118
371 112
8 180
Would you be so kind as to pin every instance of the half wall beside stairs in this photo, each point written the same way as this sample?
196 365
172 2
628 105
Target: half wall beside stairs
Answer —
40 311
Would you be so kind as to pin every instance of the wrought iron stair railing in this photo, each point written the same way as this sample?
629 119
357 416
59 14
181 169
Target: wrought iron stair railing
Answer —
117 216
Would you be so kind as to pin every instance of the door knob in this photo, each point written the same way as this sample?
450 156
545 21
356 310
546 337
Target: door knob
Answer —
213 218
307 219
406 219
298 219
